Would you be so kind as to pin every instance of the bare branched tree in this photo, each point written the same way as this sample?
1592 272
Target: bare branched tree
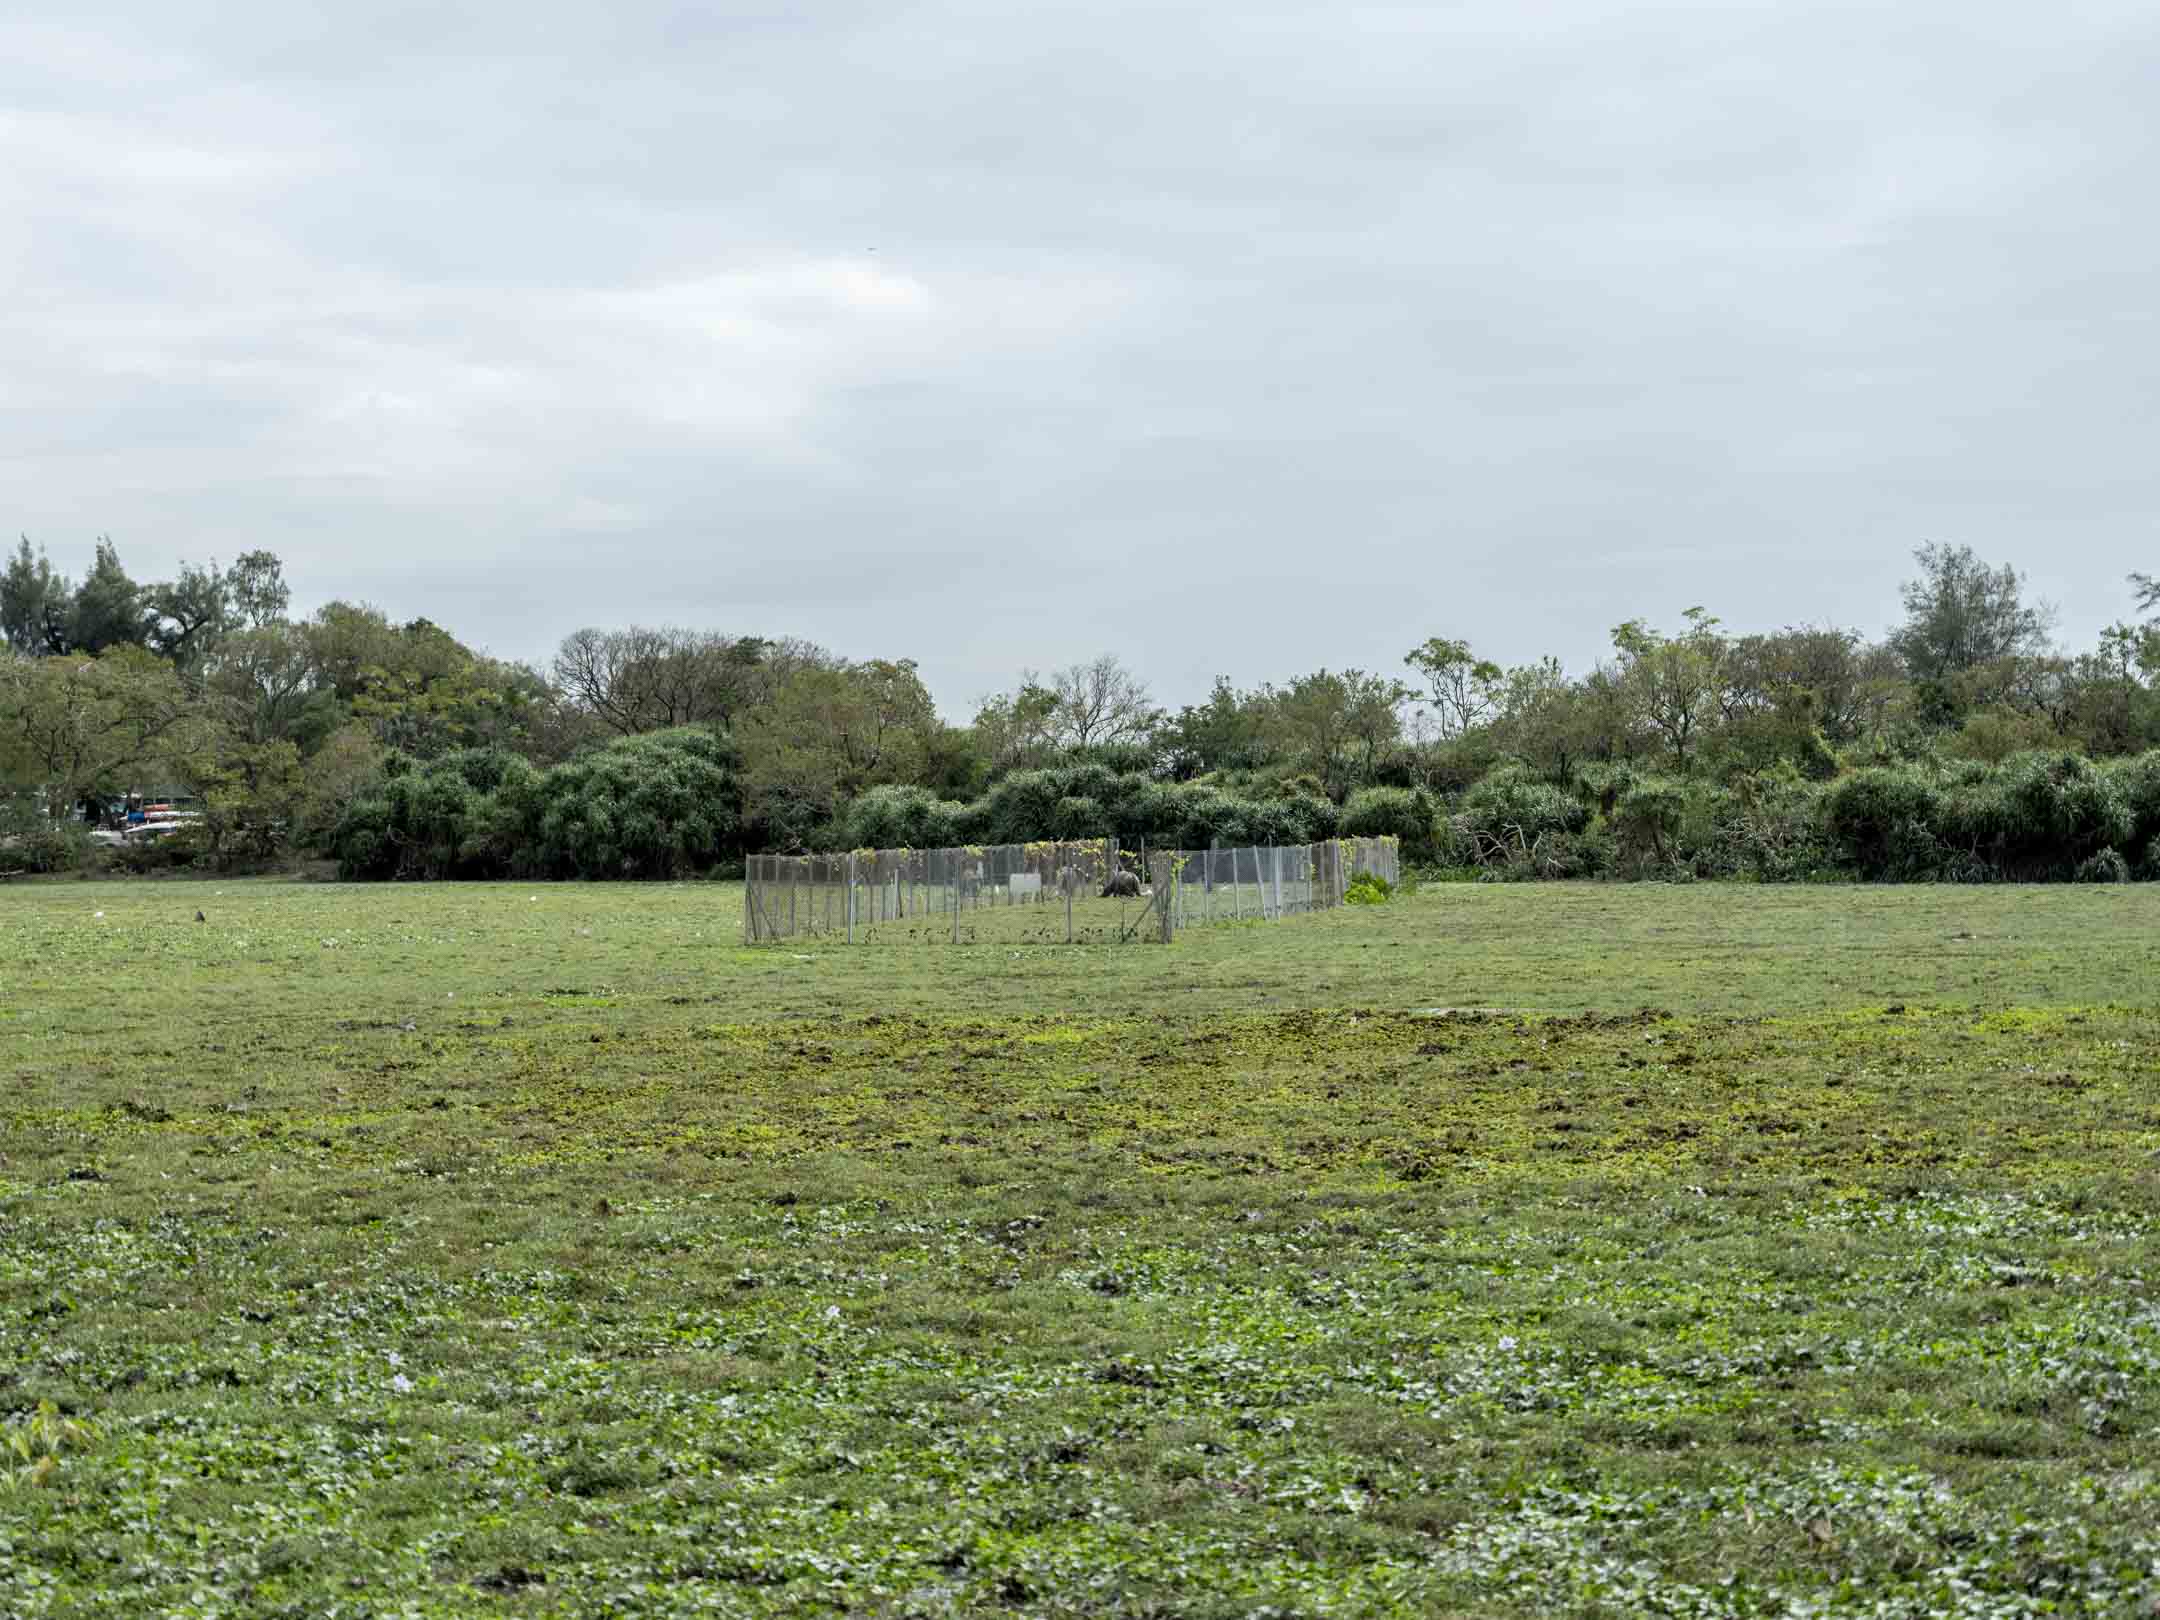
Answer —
1101 701
643 679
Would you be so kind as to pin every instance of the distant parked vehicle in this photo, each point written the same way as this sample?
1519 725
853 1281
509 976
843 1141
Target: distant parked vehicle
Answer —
146 824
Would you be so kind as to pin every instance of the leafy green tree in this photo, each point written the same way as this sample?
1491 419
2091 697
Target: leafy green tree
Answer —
2111 706
2146 589
1537 718
346 640
1793 695
1336 725
109 610
1676 683
184 617
37 604
1960 613
2040 687
354 646
256 590
828 733
426 823
953 766
1463 689
1229 732
1017 730
470 706
345 765
1816 671
269 687
1995 732
1392 812
422 690
252 793
75 727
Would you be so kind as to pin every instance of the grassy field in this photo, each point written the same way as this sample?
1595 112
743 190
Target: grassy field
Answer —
1501 1251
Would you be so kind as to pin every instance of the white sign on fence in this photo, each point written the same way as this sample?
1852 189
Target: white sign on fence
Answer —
1024 885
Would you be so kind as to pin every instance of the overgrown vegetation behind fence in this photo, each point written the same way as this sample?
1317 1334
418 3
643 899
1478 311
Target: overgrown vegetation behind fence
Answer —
1047 892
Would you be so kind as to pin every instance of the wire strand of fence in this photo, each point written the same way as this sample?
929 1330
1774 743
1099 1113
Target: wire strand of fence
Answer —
1061 890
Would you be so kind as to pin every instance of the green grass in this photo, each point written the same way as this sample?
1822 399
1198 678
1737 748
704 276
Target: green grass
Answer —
532 1251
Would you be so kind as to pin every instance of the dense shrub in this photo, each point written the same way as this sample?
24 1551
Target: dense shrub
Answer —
1076 816
2034 818
1878 824
1647 822
665 804
1020 807
1295 818
1149 812
173 852
1390 812
482 769
425 823
1088 801
894 817
1199 814
2137 784
2106 867
31 841
1773 832
655 806
651 806
1553 854
1507 815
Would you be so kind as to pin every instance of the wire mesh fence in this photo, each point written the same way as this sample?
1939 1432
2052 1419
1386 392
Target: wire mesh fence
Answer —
1274 880
1046 892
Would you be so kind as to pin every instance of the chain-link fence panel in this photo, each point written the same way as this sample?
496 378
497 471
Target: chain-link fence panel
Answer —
1045 893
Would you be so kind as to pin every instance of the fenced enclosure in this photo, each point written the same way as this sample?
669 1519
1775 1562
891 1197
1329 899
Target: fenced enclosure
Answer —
1047 892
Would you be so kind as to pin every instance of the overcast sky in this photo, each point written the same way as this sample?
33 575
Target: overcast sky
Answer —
1232 338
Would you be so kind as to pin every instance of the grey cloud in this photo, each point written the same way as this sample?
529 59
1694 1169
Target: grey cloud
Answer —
1238 339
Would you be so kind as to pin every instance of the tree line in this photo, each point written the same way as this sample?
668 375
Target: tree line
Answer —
1689 749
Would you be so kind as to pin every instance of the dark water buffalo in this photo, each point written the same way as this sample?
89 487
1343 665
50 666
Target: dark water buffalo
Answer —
1125 885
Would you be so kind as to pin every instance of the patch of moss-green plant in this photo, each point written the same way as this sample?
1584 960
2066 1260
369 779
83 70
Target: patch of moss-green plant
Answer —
449 1252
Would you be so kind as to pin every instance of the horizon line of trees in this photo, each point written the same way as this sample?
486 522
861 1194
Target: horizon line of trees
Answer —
295 732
